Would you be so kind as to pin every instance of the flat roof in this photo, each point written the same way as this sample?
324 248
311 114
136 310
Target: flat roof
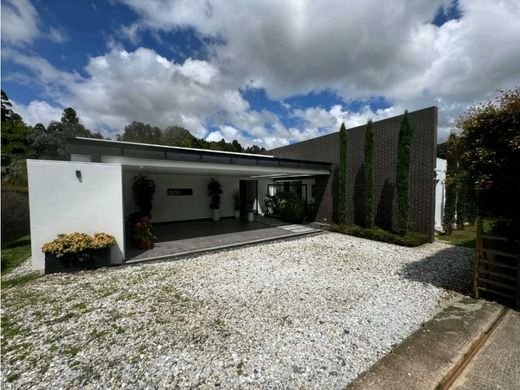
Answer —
170 147
99 147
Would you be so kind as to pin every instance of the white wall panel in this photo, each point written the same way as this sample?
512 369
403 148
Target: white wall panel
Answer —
166 208
60 202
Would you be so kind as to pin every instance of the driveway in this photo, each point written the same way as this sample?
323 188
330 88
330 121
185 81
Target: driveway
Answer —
311 312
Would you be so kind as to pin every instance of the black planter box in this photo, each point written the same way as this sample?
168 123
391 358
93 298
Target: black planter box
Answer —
97 258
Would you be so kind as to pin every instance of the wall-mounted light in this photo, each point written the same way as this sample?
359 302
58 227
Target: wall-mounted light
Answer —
78 175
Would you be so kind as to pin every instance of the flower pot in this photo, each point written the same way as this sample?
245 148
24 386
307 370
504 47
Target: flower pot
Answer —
251 216
216 214
54 264
145 244
69 263
237 214
101 257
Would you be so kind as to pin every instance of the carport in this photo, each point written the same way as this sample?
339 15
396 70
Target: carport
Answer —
93 193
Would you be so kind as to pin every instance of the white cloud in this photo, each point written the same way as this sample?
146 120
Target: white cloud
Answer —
214 136
358 49
19 21
21 25
38 111
143 86
57 35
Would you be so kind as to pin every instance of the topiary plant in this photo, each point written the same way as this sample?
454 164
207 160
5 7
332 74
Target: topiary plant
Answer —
214 191
143 190
369 175
342 204
402 181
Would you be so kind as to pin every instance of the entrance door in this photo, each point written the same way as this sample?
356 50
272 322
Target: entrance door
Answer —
248 196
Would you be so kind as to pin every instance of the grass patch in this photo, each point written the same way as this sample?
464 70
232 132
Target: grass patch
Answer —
377 234
10 329
20 280
15 254
464 237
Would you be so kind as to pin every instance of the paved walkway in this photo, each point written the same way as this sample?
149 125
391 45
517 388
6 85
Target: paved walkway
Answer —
470 345
190 237
496 365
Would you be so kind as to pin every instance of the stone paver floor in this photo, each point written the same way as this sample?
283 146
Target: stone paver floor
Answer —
186 237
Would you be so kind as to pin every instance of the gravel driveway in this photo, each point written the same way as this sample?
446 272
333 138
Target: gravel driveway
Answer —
312 312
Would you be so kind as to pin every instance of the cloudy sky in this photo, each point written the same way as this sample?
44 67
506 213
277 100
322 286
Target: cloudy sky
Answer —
265 72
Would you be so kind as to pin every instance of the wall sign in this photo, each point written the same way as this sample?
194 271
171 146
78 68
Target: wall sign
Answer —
179 191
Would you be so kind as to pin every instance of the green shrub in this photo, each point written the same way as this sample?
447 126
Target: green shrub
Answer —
293 210
287 207
378 234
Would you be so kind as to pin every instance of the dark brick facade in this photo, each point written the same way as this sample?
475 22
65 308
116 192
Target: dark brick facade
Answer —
386 133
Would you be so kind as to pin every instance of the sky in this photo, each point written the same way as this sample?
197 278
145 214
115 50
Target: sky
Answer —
265 72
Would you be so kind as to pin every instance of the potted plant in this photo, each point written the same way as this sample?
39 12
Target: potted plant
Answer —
250 210
214 191
100 248
143 191
236 203
143 233
77 251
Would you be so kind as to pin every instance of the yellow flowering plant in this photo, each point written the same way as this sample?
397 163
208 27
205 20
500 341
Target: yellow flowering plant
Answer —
102 240
77 244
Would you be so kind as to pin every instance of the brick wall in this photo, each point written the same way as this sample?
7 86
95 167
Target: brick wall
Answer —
386 133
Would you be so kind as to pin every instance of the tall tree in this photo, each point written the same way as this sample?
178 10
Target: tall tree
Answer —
143 133
254 149
15 134
51 142
177 136
236 146
6 107
369 175
402 184
490 160
342 203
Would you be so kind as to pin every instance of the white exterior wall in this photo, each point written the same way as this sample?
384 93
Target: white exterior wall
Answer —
59 202
440 193
167 208
263 186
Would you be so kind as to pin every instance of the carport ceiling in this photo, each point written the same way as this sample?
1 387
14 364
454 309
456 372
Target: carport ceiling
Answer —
186 168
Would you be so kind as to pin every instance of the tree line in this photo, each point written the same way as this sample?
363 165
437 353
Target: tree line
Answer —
21 141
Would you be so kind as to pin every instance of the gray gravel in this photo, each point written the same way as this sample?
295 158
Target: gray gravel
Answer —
311 313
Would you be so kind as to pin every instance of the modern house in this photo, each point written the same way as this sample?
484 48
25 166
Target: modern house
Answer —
93 191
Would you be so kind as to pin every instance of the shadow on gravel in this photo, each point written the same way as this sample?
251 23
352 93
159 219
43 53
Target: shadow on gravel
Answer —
451 269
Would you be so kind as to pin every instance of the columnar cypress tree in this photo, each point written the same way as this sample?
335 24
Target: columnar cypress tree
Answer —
450 204
402 184
342 204
369 175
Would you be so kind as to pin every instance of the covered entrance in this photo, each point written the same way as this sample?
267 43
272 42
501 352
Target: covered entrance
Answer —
181 208
176 239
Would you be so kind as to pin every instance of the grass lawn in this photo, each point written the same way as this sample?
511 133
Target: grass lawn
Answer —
15 253
464 237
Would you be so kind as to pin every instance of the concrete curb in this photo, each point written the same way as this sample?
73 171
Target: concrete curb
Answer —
429 356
